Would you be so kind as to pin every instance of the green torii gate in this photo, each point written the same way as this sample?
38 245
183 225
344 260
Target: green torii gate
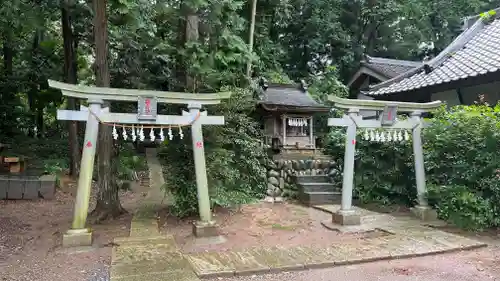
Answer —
147 101
388 120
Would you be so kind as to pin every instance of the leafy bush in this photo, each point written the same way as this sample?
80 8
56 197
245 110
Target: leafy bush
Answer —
234 159
55 166
460 149
383 171
129 164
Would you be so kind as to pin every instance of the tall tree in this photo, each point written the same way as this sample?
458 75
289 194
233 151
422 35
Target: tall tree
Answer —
108 203
251 35
70 76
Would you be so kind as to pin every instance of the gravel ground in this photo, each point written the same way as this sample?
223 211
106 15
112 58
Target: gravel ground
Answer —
31 234
477 265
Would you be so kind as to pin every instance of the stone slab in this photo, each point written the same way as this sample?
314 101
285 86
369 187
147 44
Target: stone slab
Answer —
31 189
168 262
361 251
278 259
174 276
141 253
4 185
210 265
48 186
149 240
245 263
77 239
16 188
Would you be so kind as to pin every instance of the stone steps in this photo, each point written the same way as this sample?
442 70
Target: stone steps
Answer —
301 179
317 190
318 187
311 198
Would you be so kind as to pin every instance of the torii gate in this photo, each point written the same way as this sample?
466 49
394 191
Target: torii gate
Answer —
147 101
388 120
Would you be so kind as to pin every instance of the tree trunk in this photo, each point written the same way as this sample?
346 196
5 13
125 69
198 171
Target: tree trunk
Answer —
70 76
8 55
108 203
251 35
7 93
192 35
33 91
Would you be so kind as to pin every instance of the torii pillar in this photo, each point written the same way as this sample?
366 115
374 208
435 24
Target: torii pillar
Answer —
147 101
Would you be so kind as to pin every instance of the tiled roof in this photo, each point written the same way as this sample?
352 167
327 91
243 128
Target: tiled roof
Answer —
474 52
287 95
389 67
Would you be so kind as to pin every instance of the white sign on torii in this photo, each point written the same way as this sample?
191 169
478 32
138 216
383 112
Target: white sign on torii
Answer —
79 235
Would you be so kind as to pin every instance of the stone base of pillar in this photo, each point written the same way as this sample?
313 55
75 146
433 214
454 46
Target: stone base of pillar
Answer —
77 238
346 218
424 213
205 229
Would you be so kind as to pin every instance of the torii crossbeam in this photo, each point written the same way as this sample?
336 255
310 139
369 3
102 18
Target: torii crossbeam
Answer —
147 101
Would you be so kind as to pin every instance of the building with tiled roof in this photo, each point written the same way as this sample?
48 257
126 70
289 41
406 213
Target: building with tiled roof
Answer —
374 70
463 71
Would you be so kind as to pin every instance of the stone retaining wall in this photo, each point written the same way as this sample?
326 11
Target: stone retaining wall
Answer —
27 187
280 174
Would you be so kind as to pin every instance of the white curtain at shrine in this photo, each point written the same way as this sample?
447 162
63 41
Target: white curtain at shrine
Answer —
297 127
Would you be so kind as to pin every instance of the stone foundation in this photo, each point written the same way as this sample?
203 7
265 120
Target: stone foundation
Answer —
280 173
77 238
201 229
424 213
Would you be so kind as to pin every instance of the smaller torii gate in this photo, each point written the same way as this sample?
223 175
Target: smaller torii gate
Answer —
147 116
388 121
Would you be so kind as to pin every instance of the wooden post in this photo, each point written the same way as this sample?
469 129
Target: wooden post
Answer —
311 135
284 129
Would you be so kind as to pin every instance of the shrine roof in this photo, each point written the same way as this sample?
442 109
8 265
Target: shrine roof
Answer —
287 95
389 67
473 53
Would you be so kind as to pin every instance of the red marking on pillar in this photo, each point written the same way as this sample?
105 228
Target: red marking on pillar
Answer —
353 142
89 144
148 106
389 115
199 144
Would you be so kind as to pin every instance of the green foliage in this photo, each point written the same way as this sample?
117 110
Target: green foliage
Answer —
463 207
129 164
234 159
462 168
383 171
55 166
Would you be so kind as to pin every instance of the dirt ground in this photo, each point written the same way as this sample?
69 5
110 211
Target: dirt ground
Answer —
262 224
31 231
31 234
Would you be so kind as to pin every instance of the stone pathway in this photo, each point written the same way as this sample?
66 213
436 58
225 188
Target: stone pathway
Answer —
406 238
147 255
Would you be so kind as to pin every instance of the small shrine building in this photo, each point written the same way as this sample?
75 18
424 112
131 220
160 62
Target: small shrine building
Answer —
287 113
